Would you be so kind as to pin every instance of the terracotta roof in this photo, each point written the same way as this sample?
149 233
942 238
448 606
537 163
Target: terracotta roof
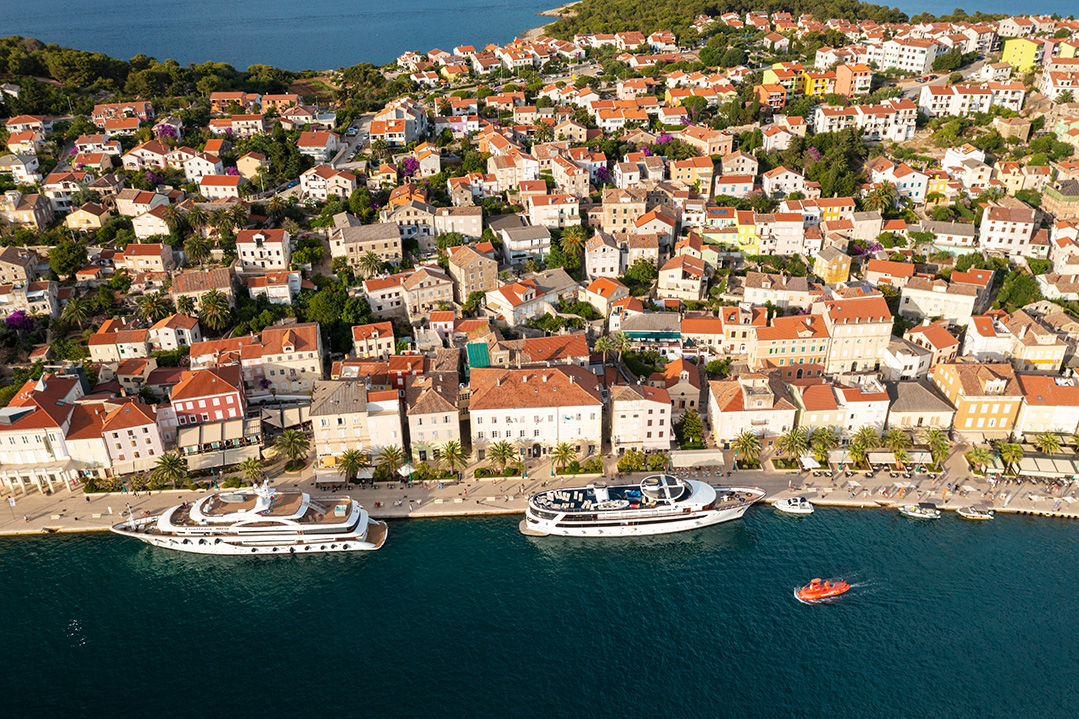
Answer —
208 382
128 415
561 386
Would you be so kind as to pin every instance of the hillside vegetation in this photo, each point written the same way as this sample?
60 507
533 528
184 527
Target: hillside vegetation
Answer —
610 16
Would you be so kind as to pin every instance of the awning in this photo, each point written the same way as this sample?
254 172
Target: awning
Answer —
188 437
285 417
809 462
211 432
697 458
838 456
881 458
234 429
921 457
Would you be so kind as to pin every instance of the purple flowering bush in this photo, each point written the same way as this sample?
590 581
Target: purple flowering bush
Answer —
663 139
164 132
409 166
153 177
231 171
20 322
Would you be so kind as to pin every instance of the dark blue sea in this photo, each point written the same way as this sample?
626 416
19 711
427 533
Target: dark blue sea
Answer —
467 618
318 34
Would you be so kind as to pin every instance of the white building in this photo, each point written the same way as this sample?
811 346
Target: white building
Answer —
640 418
537 408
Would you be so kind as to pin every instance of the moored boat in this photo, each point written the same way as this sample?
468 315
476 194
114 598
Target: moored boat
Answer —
794 505
922 510
261 521
978 512
819 589
660 504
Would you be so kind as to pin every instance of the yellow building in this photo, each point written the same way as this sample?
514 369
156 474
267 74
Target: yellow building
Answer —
832 266
818 83
1021 53
748 241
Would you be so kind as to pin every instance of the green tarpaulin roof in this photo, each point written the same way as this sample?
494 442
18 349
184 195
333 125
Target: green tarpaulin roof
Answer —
478 355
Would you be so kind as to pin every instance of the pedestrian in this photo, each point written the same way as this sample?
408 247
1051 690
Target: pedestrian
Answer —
26 518
88 499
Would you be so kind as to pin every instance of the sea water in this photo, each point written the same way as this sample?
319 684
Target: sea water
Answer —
466 617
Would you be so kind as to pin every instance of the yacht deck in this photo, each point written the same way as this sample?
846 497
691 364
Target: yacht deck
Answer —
285 504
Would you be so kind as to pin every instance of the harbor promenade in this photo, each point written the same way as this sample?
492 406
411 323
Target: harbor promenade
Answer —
78 512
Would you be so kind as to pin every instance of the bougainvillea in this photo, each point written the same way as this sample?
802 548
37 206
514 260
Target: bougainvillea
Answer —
409 166
20 321
663 139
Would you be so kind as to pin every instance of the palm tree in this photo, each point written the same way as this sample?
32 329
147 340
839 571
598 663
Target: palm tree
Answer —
563 454
215 310
275 208
154 306
794 444
174 219
937 441
391 458
197 249
292 444
170 467
620 342
748 446
1048 443
185 305
604 345
239 215
1010 454
351 462
222 221
500 454
378 147
895 440
197 217
573 240
370 264
866 438
452 456
823 440
979 457
251 468
77 310
881 198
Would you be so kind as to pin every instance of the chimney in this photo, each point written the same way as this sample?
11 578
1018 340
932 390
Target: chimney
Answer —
498 382
544 378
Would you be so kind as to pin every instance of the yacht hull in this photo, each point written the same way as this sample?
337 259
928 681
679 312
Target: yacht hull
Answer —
266 545
633 528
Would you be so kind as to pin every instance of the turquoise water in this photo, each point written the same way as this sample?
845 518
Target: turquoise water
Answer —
467 618
317 34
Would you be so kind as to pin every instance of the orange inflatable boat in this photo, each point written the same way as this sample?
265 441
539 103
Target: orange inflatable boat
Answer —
822 589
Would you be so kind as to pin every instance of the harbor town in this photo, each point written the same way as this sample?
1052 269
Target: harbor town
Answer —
830 258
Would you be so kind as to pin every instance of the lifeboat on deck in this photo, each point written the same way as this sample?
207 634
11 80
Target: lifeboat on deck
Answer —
822 589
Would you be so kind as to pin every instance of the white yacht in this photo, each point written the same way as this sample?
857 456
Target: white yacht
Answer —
978 512
660 504
922 510
794 505
261 520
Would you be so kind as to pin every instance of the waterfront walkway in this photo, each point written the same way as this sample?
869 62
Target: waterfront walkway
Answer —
71 512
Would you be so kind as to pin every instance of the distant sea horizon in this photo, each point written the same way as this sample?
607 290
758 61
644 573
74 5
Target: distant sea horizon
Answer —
318 34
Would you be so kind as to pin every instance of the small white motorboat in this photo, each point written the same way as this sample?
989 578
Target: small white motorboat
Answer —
922 510
794 505
980 512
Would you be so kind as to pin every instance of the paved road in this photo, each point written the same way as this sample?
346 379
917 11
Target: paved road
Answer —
509 495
